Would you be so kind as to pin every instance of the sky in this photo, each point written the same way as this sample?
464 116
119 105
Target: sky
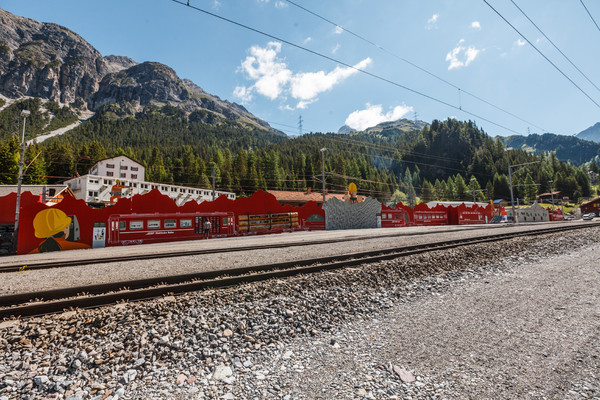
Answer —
362 62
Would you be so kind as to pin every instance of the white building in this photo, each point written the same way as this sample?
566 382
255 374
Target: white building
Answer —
121 167
97 186
533 213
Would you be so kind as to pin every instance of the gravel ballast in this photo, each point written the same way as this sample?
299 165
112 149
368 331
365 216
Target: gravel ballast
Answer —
514 319
28 280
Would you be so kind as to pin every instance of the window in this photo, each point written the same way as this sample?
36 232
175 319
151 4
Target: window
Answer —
173 189
134 168
170 223
122 225
154 187
111 166
123 167
109 173
154 224
136 225
123 175
185 223
164 188
106 182
133 176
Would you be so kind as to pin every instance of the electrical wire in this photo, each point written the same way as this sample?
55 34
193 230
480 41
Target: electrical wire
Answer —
555 46
413 64
588 11
346 65
542 54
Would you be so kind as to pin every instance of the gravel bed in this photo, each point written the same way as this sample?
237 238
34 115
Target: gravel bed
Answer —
37 280
516 319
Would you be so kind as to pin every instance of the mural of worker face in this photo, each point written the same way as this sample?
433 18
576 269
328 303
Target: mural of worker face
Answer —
54 226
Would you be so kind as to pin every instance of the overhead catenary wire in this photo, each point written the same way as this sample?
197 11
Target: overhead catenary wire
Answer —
555 46
430 97
588 12
385 50
540 53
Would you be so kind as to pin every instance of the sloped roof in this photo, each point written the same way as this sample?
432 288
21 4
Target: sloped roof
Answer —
303 197
595 200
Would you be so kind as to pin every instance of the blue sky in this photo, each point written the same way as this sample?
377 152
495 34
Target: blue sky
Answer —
463 42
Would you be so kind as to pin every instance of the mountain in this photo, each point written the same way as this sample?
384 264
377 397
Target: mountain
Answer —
568 148
592 133
385 128
51 62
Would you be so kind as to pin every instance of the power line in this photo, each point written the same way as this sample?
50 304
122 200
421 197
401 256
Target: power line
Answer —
555 46
542 54
413 64
345 64
588 11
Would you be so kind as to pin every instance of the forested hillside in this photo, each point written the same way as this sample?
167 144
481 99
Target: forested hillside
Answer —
567 148
445 160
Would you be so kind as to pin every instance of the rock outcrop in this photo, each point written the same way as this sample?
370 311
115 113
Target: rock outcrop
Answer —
51 62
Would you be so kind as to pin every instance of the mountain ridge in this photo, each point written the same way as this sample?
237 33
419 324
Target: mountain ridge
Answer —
49 61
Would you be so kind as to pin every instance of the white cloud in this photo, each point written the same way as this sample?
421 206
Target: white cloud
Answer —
338 29
373 115
520 42
242 93
476 25
336 48
273 79
280 4
461 56
308 85
307 40
269 74
432 22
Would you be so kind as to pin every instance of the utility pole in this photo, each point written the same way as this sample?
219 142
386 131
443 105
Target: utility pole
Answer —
473 188
300 125
213 183
24 114
512 199
323 150
552 193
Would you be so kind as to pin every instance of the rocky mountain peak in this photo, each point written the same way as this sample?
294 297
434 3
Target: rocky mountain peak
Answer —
51 62
118 63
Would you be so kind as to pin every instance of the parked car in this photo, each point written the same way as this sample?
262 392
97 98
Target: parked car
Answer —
588 217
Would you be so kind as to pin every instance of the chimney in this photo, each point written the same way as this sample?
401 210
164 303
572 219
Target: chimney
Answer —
308 190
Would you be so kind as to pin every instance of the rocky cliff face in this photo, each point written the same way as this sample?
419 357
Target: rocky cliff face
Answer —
47 61
51 62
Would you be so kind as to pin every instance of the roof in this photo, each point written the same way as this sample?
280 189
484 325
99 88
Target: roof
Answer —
59 191
549 194
34 189
595 200
120 155
303 197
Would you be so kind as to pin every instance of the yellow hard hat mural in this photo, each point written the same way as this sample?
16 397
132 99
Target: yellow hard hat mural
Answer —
49 222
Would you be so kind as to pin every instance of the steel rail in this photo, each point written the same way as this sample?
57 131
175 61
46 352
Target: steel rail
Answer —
92 296
149 256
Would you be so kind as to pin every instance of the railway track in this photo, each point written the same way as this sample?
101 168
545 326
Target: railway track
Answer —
149 256
91 296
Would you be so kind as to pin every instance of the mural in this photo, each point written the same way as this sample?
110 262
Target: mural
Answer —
59 231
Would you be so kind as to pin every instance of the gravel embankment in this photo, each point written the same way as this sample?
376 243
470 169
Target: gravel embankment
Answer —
38 280
516 319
